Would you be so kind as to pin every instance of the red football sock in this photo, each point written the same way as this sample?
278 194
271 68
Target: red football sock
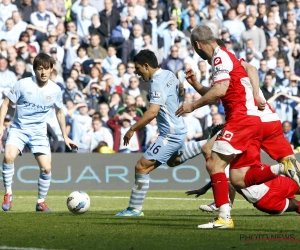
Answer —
220 188
298 211
259 175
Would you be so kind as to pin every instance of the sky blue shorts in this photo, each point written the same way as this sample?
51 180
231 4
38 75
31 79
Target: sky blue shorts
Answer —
37 142
164 147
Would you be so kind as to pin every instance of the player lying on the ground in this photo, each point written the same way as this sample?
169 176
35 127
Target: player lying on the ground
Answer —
273 197
169 147
34 97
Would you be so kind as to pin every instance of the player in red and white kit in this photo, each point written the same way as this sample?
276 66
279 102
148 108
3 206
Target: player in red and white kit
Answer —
241 131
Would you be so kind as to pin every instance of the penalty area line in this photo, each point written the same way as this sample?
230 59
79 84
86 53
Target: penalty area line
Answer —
127 197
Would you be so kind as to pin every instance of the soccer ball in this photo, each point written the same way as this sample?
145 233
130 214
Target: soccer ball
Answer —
78 202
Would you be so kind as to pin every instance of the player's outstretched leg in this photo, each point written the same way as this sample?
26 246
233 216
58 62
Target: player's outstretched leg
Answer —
192 149
43 184
7 173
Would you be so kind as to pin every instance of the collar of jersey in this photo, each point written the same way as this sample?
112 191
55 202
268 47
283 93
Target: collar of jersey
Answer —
156 73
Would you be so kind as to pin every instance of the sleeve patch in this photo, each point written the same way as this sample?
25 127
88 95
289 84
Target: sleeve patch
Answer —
155 95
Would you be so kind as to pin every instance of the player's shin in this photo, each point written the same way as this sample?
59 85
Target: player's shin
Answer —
139 191
43 184
259 175
220 191
7 173
192 149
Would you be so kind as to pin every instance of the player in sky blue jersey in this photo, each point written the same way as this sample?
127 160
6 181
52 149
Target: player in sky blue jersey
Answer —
34 97
169 147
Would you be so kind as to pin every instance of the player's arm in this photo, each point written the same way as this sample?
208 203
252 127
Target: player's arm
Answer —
148 116
191 79
215 93
3 112
62 124
254 80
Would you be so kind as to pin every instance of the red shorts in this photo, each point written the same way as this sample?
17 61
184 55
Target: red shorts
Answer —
275 200
274 143
241 136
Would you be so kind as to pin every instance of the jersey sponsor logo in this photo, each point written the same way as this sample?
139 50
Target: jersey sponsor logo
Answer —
221 71
217 61
155 95
35 106
227 135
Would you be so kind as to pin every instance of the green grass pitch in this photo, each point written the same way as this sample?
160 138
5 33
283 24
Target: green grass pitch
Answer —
170 223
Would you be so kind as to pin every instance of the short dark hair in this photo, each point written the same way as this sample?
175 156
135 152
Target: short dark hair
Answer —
96 119
44 60
146 56
112 46
82 47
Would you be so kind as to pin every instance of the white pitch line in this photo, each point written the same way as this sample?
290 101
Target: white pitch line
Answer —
25 248
127 197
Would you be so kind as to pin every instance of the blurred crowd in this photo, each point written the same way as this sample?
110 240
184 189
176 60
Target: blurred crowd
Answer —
93 43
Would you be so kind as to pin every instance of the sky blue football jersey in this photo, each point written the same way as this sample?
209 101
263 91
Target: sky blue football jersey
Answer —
164 92
33 103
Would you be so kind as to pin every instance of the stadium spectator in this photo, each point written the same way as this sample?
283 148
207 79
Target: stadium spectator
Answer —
280 68
26 8
168 32
29 64
120 124
234 25
81 124
83 12
279 51
267 88
287 131
133 89
20 69
133 44
95 50
270 57
97 95
212 21
115 104
193 23
139 11
97 28
194 129
57 7
9 33
42 18
173 62
20 25
291 17
104 113
96 134
286 76
52 39
71 46
7 78
251 59
110 19
262 71
111 62
6 10
254 33
70 92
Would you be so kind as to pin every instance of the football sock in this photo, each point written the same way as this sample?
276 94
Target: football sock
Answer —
277 169
44 184
192 149
139 191
7 173
259 175
220 191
